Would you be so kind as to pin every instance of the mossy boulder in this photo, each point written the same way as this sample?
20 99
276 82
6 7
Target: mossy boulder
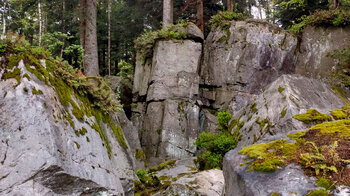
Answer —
56 137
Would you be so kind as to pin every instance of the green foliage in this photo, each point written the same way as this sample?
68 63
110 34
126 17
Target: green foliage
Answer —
145 42
2 47
223 120
316 160
312 116
74 54
325 183
126 73
222 20
213 148
275 194
318 192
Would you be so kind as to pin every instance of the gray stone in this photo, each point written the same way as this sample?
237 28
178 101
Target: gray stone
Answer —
193 32
185 166
341 191
174 70
254 55
206 183
41 153
316 43
298 94
288 181
141 76
169 130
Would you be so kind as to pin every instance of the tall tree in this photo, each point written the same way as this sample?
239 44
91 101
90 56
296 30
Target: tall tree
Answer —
229 6
168 12
40 22
4 16
200 15
109 37
88 36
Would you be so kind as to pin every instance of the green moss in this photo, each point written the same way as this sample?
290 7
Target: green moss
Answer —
339 114
222 20
16 73
280 89
275 194
118 133
283 112
14 60
312 116
5 94
325 183
36 92
296 135
141 155
165 165
25 89
267 157
253 108
293 100
26 76
318 192
77 144
250 117
87 139
341 128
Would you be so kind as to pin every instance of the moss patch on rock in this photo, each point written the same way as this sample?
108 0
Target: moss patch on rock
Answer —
312 116
16 73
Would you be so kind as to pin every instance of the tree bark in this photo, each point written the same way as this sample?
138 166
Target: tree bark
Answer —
109 37
88 36
200 10
229 6
40 22
4 20
168 12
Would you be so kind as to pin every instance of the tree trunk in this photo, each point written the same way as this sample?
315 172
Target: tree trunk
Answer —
168 12
40 23
109 37
63 28
88 36
4 20
200 20
229 6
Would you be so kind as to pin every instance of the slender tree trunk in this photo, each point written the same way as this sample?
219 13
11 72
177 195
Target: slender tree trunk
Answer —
4 20
63 22
40 23
200 20
109 37
88 36
168 12
229 6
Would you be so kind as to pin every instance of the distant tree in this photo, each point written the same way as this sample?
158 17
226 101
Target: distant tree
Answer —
200 15
88 36
168 12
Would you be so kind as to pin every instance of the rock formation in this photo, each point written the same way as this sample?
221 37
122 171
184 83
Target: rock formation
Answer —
52 148
240 61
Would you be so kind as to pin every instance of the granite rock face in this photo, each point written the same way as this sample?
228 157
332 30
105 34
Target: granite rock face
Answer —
41 152
165 91
271 113
238 63
267 118
316 44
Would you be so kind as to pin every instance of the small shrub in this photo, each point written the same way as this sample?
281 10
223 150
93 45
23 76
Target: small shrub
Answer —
223 120
213 149
222 19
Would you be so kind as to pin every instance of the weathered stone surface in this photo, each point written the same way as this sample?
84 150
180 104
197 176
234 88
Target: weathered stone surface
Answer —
240 182
254 55
174 70
316 43
185 166
206 183
193 32
207 121
141 76
271 113
341 191
169 130
41 154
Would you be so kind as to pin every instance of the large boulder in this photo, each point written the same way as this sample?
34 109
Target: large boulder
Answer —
269 117
240 61
316 44
271 113
49 148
